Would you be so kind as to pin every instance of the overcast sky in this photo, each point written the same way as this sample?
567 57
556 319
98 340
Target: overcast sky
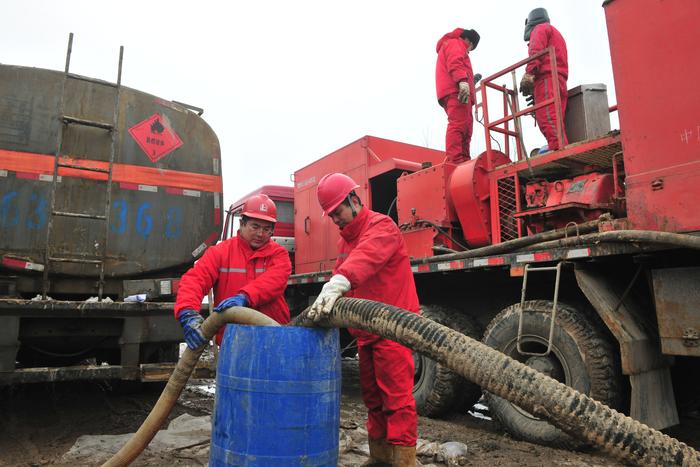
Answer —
284 83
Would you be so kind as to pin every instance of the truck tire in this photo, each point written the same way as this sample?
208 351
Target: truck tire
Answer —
469 393
582 356
438 390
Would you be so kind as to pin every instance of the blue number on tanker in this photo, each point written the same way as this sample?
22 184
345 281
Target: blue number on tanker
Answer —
34 215
120 226
144 221
173 225
9 212
37 216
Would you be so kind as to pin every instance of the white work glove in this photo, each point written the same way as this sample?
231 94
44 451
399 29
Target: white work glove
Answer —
331 291
464 92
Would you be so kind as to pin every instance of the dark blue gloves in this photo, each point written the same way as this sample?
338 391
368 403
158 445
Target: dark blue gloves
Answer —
191 323
237 300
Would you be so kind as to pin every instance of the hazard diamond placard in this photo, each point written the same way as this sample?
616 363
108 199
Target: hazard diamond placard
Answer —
156 137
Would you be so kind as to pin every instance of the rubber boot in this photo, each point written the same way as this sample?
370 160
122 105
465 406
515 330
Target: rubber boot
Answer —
380 454
404 456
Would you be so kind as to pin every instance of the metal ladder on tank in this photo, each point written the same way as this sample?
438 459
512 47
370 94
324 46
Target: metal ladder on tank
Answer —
111 127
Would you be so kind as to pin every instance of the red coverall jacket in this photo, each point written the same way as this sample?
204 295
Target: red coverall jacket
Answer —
232 267
542 36
374 258
453 65
545 35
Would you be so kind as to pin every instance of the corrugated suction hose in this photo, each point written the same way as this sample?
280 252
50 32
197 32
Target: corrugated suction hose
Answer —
573 412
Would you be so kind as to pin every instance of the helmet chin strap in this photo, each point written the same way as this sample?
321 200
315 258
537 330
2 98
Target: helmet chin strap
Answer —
352 206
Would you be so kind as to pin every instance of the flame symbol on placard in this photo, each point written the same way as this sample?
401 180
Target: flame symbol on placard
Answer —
157 127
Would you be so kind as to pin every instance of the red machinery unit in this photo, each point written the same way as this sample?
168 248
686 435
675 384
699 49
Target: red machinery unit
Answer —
426 216
646 176
471 195
375 164
446 206
552 205
654 58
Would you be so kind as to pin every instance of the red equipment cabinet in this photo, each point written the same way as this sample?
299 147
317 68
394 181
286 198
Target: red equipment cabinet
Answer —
653 46
425 214
375 164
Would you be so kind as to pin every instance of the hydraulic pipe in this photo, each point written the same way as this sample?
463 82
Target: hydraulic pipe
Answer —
159 414
626 236
517 243
573 412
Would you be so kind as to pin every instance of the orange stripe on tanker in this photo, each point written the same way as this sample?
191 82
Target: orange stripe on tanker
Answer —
42 164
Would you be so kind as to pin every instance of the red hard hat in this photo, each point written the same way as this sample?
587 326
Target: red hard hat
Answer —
260 207
333 189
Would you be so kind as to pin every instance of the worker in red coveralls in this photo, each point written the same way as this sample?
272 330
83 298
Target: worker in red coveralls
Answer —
538 77
246 270
373 264
454 80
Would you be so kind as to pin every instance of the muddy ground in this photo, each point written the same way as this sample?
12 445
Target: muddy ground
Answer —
40 423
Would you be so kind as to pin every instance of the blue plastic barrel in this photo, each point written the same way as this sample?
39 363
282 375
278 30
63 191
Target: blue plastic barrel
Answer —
277 397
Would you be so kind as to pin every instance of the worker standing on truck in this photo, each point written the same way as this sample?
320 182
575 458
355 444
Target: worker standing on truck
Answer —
245 270
373 264
454 80
538 78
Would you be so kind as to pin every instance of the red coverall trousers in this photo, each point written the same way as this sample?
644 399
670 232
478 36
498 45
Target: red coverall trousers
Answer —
459 129
546 116
386 379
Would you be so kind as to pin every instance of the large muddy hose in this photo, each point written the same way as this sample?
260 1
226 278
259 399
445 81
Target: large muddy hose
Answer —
159 414
574 413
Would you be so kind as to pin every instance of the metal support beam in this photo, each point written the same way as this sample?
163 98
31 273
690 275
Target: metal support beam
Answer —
652 401
8 342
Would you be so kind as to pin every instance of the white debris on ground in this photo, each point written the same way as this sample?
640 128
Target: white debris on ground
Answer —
97 300
206 389
184 433
478 411
39 297
452 453
136 298
354 450
89 300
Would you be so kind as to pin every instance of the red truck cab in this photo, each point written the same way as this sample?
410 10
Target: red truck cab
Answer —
283 196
